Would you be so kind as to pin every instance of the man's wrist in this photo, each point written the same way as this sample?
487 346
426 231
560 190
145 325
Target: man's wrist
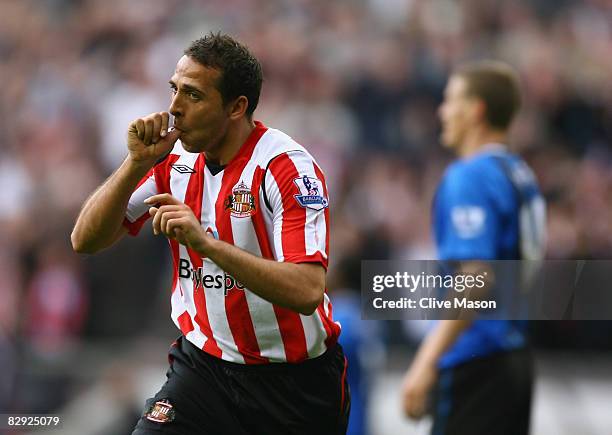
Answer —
140 167
205 246
429 354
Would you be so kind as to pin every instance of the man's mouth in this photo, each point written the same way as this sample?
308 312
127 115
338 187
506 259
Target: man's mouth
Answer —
180 130
176 125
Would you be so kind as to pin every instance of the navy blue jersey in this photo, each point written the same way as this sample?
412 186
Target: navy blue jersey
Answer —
488 207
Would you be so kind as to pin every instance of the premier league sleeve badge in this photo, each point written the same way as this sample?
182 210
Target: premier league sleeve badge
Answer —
311 193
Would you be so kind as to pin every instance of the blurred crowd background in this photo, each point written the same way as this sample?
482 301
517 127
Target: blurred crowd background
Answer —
358 82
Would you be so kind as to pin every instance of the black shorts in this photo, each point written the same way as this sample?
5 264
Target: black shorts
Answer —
486 396
205 395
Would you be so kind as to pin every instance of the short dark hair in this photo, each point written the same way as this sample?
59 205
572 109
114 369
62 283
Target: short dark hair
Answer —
497 85
240 71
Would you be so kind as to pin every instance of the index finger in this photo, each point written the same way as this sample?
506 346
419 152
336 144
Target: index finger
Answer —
164 123
140 128
162 198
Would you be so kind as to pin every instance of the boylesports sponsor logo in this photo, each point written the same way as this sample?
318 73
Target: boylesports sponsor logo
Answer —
205 281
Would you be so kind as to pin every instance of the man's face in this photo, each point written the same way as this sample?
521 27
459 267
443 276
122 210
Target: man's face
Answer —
197 106
457 113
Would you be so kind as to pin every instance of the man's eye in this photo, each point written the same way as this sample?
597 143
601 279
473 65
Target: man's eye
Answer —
193 96
173 91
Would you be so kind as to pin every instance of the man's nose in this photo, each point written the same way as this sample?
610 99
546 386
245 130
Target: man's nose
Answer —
175 109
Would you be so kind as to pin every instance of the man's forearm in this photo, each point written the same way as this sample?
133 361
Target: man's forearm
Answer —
299 287
440 340
446 332
100 219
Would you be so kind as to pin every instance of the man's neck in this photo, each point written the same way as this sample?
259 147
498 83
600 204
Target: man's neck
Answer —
236 136
478 138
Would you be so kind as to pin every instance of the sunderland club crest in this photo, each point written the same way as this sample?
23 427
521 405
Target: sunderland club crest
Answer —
161 412
241 202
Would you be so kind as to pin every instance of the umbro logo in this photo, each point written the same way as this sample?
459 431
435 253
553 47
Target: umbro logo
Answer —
183 169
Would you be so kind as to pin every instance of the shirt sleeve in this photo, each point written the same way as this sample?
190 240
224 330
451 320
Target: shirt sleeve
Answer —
468 224
298 199
137 212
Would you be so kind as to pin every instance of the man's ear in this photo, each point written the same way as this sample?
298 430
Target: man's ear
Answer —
479 108
238 108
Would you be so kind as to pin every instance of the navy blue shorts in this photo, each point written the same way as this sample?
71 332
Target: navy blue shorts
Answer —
204 395
488 395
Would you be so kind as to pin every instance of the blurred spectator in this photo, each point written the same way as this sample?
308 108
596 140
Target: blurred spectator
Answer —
56 303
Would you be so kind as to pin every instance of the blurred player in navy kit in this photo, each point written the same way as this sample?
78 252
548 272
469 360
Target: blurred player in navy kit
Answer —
488 206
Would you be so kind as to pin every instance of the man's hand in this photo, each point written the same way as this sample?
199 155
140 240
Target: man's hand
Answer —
176 220
416 387
148 138
298 287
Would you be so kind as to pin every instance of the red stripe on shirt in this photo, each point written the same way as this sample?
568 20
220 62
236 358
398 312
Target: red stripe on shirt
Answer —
324 320
257 219
294 248
146 177
236 306
174 248
334 326
290 324
185 322
321 177
134 227
292 333
262 235
331 328
294 216
193 198
161 174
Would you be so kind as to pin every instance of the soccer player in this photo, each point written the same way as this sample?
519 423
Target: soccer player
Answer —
487 207
245 210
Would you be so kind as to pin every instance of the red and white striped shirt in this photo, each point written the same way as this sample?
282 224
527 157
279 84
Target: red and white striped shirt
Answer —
270 200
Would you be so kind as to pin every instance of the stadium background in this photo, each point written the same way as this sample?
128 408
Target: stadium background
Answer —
358 83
